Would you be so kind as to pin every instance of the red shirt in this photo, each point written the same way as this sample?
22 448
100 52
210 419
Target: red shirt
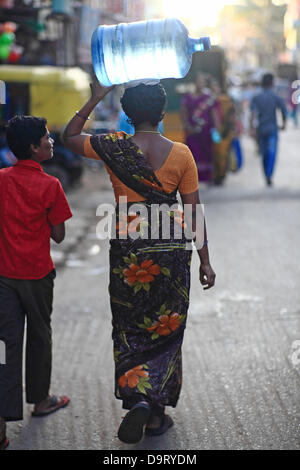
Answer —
31 202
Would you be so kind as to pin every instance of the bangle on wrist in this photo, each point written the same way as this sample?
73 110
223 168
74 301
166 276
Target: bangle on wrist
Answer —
82 117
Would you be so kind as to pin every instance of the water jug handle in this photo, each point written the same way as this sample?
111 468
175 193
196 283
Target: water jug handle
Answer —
196 45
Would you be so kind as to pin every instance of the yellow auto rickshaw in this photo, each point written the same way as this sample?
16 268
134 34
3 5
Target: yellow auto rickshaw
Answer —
54 93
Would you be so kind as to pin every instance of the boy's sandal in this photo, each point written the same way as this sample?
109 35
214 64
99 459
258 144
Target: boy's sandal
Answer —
54 405
4 443
131 429
167 422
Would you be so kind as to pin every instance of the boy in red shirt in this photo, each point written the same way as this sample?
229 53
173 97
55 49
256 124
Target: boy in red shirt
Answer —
33 208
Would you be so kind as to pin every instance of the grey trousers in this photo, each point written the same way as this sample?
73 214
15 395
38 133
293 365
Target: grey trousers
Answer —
19 299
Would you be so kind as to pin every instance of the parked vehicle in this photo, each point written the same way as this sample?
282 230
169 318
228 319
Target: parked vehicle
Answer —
7 158
51 92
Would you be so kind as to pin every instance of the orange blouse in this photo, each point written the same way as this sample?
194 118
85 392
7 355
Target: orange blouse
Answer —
178 171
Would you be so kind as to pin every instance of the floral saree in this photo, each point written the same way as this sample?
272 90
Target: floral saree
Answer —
149 282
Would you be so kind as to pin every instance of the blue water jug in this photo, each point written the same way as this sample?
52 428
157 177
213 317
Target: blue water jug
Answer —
152 49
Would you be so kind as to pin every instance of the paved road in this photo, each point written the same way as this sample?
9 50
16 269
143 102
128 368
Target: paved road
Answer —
241 384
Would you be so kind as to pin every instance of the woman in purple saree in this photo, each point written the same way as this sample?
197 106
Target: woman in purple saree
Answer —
199 115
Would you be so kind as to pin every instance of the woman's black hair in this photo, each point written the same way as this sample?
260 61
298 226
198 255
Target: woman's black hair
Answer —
144 103
22 131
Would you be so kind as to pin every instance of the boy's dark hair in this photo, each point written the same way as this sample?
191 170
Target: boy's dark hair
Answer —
267 80
22 131
144 103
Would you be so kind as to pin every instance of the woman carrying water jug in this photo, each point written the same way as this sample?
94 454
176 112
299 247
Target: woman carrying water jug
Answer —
149 277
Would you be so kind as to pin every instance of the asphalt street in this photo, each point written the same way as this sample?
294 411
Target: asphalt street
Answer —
241 353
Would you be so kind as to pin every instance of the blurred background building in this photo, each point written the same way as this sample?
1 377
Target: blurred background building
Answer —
256 34
45 63
292 31
58 32
45 53
257 27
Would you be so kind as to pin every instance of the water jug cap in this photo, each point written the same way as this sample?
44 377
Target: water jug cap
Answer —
134 83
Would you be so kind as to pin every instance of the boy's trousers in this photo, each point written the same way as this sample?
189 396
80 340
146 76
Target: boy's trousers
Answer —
19 299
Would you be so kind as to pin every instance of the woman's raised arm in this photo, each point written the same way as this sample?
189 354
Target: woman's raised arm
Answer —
72 137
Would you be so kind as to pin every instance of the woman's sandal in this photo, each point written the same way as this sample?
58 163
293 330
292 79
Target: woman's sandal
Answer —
4 443
54 405
131 429
166 423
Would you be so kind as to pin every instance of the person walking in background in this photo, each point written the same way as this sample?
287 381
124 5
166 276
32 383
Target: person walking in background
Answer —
226 117
33 208
199 113
149 277
264 106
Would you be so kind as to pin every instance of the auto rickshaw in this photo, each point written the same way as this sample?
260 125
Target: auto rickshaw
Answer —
54 93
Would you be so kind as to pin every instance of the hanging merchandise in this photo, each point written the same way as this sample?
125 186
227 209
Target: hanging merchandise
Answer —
4 51
7 38
8 27
35 26
8 50
15 54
